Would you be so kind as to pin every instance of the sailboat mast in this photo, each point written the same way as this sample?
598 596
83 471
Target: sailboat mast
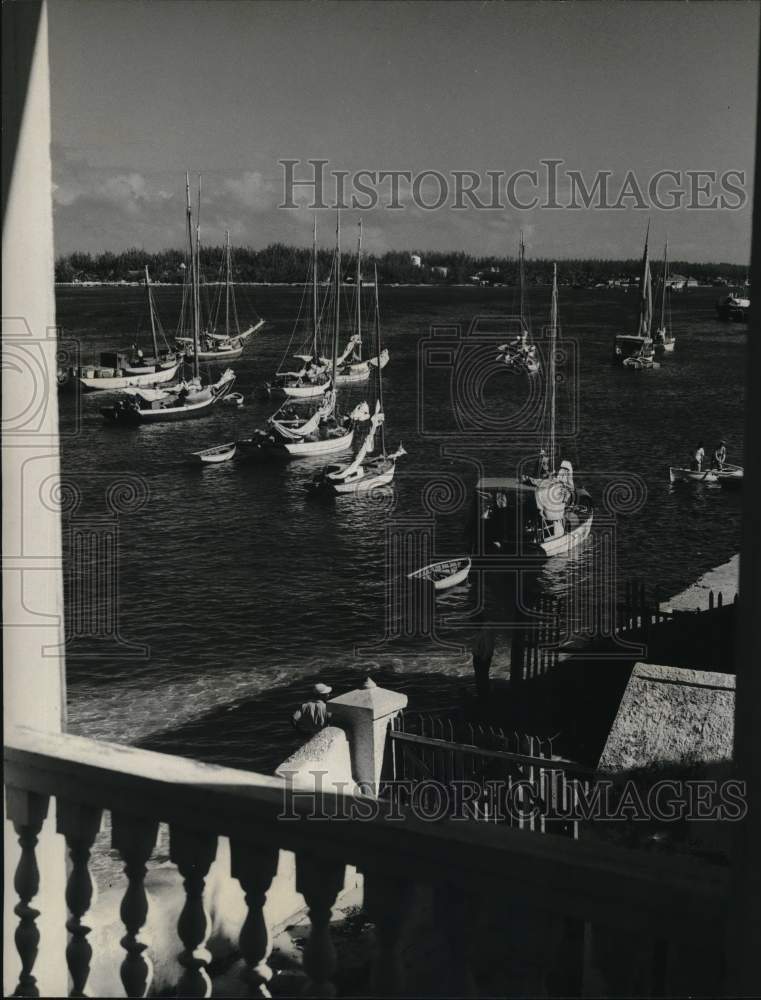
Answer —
337 322
646 302
378 365
553 388
358 348
522 279
227 283
193 282
665 286
197 326
151 313
315 318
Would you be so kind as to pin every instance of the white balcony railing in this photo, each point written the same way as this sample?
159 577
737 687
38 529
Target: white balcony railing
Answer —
664 912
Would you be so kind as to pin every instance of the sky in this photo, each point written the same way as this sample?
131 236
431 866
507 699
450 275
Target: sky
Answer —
143 91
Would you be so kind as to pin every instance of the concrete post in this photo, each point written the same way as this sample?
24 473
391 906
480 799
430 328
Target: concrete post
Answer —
366 714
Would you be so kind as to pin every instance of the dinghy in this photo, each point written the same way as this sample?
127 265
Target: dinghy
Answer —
213 456
234 399
445 574
680 475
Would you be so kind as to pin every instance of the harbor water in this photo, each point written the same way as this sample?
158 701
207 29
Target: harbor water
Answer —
233 586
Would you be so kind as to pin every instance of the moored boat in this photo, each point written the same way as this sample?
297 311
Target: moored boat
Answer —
132 369
151 406
637 351
324 432
682 475
545 513
733 307
443 574
664 338
220 337
216 454
367 471
312 379
520 354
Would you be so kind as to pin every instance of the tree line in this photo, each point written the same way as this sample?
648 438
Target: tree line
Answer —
279 263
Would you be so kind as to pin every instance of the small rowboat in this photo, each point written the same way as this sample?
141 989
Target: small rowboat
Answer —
677 475
219 453
234 399
445 574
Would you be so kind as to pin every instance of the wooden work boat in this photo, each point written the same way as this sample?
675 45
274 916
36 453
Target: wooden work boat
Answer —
213 456
678 475
444 574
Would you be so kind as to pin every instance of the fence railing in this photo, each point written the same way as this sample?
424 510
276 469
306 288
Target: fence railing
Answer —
512 778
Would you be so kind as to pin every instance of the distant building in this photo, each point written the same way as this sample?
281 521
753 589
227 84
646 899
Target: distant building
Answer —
677 282
441 272
692 282
416 260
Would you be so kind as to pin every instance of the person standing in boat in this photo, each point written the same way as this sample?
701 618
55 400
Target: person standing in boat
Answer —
720 455
700 455
542 465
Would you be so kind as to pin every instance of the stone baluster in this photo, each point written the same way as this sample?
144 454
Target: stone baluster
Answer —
255 869
319 881
79 825
388 904
134 839
27 812
193 854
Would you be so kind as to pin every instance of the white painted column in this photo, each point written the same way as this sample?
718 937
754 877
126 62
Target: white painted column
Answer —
33 671
366 714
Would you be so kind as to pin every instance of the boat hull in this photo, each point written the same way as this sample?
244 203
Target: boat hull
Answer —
460 570
370 481
214 456
677 475
573 537
167 414
146 380
324 446
298 391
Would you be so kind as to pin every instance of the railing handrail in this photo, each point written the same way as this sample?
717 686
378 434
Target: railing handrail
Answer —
553 763
587 879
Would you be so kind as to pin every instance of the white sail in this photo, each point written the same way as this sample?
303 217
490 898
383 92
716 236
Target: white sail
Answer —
367 447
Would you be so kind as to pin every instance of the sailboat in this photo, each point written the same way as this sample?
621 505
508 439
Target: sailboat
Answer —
520 354
187 399
664 338
637 351
351 367
325 431
214 345
123 369
312 379
365 471
545 513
